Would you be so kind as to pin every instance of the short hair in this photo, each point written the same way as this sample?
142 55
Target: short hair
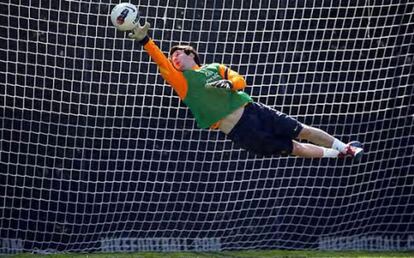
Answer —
187 50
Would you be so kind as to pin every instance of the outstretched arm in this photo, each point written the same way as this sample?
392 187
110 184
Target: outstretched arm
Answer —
173 77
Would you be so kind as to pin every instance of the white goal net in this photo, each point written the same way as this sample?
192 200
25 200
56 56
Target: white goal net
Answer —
98 153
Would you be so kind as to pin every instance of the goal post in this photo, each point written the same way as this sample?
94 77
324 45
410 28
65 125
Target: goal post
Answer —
98 154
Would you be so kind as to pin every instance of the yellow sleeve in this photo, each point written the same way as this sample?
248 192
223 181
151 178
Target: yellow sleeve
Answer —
238 81
173 76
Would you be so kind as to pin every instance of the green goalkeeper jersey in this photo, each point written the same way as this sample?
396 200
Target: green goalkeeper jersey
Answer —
208 104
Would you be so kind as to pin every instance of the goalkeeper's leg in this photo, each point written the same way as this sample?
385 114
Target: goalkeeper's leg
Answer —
307 150
321 138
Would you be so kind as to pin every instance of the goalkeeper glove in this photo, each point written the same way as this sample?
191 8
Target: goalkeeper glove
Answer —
140 33
221 84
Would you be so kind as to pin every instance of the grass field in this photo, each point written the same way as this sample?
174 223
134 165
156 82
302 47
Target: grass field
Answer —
230 254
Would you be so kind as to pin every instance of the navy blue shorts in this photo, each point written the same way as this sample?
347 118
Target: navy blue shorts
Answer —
265 131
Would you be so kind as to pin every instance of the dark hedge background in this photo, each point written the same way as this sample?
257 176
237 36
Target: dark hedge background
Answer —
94 145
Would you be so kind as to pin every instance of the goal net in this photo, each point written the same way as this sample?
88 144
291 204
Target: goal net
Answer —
98 153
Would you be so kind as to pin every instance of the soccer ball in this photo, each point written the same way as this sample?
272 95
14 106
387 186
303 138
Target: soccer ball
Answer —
124 16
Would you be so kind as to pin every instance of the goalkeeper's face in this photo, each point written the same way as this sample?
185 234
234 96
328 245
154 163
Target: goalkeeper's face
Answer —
183 61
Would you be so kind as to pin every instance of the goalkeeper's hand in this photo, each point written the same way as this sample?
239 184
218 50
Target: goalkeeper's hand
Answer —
139 32
221 84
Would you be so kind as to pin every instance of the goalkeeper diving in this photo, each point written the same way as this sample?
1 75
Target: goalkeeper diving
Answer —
214 94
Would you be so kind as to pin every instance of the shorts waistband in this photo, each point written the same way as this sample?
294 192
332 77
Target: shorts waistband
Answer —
216 125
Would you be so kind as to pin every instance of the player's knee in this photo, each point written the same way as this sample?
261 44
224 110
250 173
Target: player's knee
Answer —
297 149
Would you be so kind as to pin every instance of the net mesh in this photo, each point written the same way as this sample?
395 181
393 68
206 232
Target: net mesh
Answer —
98 153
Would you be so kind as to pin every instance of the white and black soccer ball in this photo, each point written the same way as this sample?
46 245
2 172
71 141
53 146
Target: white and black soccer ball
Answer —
124 16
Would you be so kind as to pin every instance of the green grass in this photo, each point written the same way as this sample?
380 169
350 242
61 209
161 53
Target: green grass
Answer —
230 254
